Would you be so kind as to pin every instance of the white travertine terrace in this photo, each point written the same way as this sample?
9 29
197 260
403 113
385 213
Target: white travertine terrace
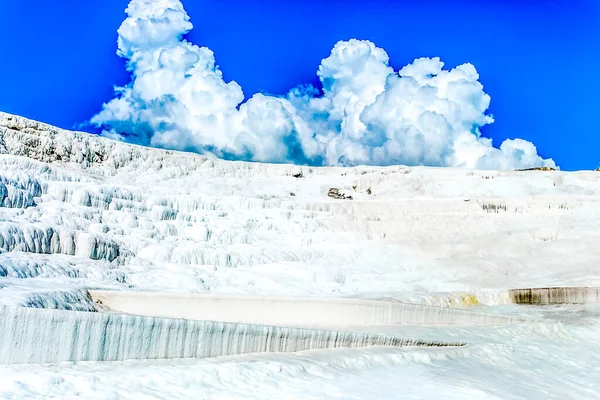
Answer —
289 311
50 336
83 212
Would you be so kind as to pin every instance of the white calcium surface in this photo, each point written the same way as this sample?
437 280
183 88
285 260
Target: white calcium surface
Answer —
80 212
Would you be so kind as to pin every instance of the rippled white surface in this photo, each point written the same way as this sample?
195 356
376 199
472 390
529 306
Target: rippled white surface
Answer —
521 362
80 212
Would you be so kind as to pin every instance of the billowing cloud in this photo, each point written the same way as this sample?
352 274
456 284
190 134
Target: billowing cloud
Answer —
365 112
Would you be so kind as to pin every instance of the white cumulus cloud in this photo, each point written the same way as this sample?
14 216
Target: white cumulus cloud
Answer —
365 112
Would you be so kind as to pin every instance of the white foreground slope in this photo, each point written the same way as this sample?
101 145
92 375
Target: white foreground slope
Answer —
521 362
79 211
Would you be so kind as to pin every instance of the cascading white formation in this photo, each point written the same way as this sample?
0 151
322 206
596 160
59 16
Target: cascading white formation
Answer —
81 212
30 335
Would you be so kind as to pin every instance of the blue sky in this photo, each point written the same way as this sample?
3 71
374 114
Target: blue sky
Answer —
536 59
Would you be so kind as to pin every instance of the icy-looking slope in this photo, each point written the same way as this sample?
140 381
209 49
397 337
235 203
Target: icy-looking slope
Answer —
80 211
